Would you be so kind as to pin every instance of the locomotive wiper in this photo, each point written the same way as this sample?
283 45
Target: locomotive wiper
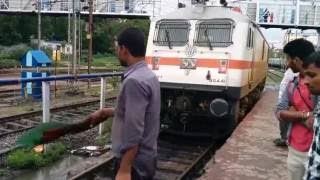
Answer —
209 42
168 39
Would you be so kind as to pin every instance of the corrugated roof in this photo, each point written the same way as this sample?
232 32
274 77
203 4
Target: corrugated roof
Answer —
40 57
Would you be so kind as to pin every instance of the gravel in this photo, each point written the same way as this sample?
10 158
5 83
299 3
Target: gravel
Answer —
9 140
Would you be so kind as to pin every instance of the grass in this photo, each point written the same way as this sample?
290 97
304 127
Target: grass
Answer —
108 62
26 158
105 138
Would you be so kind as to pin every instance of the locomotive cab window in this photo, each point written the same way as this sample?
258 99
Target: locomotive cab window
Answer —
171 33
214 33
250 38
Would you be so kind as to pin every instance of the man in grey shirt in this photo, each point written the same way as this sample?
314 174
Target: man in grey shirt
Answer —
136 120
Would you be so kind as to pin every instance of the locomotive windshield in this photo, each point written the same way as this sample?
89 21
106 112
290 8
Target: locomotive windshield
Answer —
171 33
214 33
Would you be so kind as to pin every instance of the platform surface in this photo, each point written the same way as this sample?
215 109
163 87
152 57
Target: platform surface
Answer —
249 154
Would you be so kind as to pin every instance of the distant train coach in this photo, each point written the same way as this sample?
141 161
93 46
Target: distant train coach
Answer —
212 65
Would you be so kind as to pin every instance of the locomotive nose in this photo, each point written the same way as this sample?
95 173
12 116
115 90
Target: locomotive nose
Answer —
219 107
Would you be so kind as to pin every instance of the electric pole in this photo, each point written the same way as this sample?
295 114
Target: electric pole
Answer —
39 23
69 38
74 40
90 35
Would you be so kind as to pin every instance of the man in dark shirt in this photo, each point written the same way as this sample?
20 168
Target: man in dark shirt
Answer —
312 80
136 120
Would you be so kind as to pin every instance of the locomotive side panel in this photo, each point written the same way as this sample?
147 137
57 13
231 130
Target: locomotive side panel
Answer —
260 64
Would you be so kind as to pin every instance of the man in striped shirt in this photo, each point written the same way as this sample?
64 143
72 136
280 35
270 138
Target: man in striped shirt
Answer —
312 80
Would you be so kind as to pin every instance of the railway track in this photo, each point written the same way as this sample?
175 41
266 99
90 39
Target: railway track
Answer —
22 122
175 161
69 113
275 75
9 93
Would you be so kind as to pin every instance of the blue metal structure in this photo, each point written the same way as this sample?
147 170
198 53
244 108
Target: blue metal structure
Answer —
34 59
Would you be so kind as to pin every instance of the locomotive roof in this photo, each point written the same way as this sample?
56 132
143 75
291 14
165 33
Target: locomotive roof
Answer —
205 12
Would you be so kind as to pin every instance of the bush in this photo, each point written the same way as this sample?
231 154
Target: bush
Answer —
10 56
26 158
54 152
17 51
8 63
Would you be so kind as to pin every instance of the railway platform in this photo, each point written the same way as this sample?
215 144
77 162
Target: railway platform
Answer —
249 154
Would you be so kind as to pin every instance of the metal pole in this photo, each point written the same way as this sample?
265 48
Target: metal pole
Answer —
79 38
257 12
45 101
74 40
153 4
297 12
69 39
318 43
90 38
102 101
39 24
45 105
55 73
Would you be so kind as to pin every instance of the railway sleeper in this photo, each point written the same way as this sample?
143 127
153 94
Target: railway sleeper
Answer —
174 159
4 130
30 122
14 125
172 166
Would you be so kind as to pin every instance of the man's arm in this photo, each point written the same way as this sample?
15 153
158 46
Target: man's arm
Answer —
293 115
286 113
100 115
288 76
124 172
93 120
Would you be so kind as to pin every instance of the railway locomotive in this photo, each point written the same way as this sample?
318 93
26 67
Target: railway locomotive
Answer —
211 62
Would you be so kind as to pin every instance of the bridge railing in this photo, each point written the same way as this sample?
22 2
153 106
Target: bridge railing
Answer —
63 89
104 7
282 13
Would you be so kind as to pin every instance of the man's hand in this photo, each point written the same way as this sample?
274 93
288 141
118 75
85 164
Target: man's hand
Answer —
309 122
123 175
99 116
291 108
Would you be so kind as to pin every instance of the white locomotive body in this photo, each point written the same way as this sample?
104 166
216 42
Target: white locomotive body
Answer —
211 63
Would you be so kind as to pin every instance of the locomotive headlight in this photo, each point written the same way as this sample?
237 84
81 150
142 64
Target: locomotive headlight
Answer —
188 63
219 107
223 66
155 63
